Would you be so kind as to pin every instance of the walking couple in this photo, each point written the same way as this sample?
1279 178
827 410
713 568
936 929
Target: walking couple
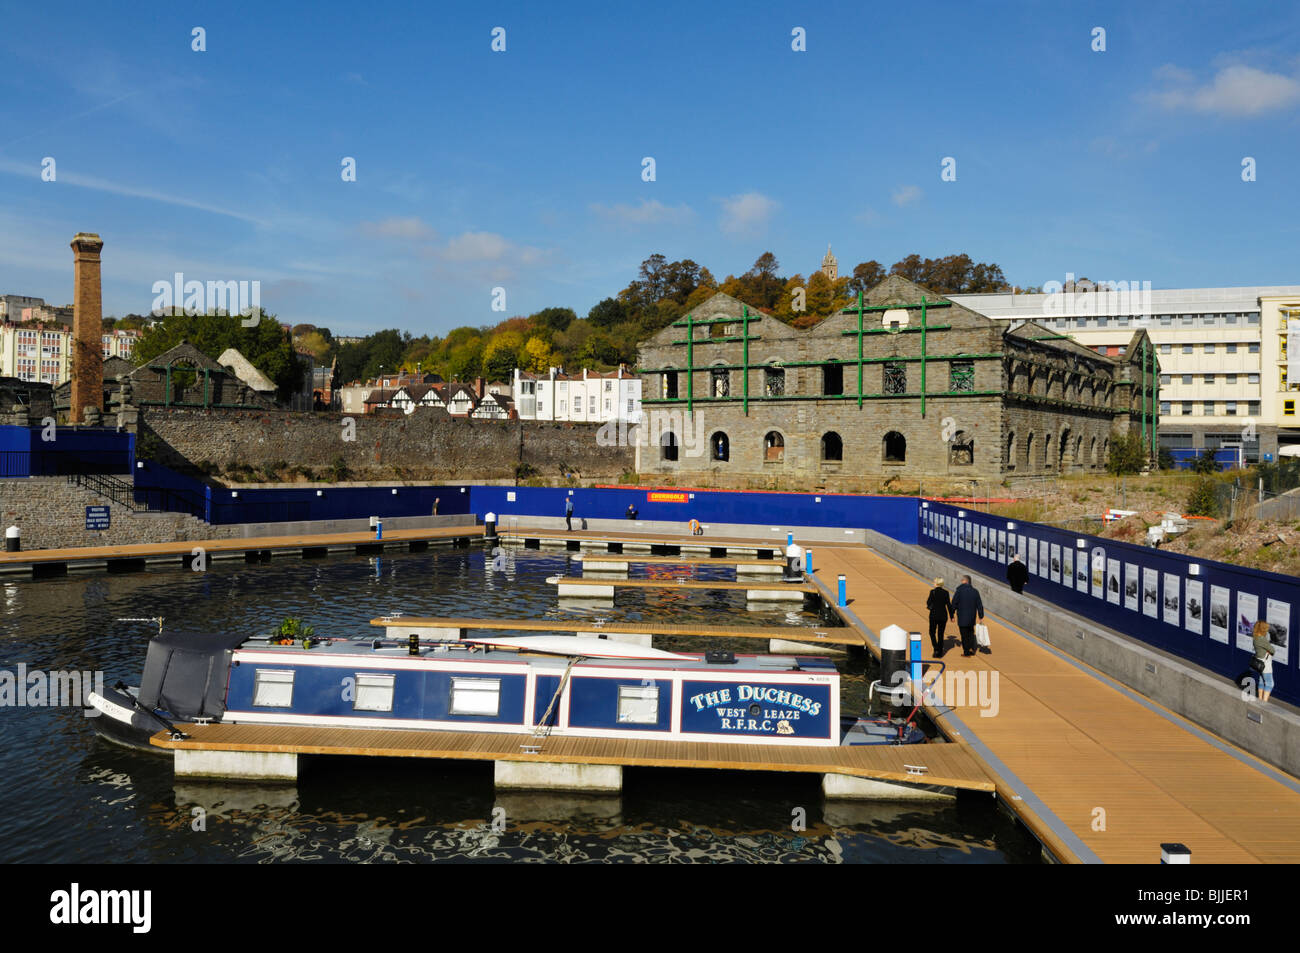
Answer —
964 605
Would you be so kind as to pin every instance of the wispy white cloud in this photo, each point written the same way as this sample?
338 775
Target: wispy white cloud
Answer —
405 228
1236 90
475 246
647 212
747 213
906 195
65 177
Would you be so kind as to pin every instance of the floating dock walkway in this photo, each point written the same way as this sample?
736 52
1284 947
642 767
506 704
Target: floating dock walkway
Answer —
1096 771
932 765
585 587
436 627
252 549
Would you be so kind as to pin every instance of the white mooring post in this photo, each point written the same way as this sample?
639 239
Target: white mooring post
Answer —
1175 854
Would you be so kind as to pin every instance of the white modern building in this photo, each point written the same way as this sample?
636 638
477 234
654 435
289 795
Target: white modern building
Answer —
594 397
1223 367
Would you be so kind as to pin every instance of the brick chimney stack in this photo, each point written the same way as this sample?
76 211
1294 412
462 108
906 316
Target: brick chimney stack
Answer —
87 327
479 387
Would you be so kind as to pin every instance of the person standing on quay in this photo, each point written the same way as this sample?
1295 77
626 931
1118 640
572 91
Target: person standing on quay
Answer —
940 607
1263 663
1017 573
968 608
568 512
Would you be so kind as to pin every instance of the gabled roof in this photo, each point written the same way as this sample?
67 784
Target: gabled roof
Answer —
186 353
244 370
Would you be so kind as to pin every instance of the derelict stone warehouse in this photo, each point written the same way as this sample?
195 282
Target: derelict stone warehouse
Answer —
904 382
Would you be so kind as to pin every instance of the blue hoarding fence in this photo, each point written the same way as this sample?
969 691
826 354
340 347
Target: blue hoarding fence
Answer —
1199 610
61 451
895 516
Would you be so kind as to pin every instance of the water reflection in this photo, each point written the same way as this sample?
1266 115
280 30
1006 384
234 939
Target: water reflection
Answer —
71 797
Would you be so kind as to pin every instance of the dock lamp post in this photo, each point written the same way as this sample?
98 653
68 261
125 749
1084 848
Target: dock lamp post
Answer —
793 564
490 527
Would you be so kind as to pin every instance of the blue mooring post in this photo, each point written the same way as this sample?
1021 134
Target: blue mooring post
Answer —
789 538
379 529
914 656
807 561
843 601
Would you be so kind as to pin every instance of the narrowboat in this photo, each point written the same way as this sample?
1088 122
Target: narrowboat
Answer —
530 686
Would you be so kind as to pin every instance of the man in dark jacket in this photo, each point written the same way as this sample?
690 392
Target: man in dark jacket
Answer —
967 608
1017 574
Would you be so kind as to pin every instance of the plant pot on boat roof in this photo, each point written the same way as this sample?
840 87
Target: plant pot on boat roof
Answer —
290 630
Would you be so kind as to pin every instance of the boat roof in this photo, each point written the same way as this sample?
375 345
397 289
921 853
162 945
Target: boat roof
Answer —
370 648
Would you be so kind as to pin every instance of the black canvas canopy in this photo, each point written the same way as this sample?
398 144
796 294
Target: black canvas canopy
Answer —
185 674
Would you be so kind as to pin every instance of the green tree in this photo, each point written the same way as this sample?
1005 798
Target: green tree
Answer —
265 344
501 356
1204 498
557 319
865 277
1128 453
607 313
1205 462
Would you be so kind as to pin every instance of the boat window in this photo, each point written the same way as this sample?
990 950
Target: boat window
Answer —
638 704
475 696
374 692
272 689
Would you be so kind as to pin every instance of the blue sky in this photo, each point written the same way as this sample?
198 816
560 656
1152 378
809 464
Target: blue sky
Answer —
523 169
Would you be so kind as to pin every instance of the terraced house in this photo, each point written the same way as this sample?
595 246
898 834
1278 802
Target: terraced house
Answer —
904 382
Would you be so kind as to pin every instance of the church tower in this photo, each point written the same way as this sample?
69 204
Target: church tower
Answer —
830 267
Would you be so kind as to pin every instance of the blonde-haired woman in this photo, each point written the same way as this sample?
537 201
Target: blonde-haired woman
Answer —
941 610
1263 663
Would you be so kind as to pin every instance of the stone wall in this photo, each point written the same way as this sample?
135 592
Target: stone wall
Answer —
426 445
51 513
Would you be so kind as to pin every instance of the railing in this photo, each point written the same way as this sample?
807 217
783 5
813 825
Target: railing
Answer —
24 463
165 500
116 490
15 463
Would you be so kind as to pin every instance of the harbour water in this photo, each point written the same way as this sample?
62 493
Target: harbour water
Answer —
70 797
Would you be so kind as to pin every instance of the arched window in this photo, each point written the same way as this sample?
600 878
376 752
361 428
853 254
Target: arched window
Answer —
773 447
894 448
1011 450
774 381
832 447
1063 450
668 442
1029 451
720 447
720 380
1047 451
